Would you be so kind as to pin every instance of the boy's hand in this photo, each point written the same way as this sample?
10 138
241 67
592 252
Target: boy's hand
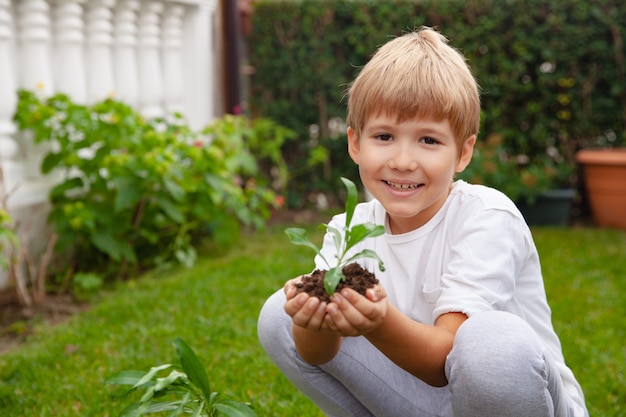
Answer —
348 314
351 314
305 311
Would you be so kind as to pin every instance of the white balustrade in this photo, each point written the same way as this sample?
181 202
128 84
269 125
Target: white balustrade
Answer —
201 50
69 63
35 73
173 85
149 45
125 55
99 27
8 100
33 25
159 56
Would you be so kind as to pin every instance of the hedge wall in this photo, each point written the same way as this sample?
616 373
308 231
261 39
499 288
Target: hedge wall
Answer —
552 74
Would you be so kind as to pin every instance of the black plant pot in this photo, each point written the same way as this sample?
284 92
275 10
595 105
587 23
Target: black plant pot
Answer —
551 208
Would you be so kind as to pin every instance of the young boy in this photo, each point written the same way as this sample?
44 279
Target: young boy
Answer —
459 325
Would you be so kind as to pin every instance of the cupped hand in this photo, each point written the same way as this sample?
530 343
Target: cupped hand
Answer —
305 311
351 314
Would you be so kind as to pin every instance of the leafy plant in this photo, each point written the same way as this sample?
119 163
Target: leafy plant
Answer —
344 239
519 176
86 284
190 383
136 192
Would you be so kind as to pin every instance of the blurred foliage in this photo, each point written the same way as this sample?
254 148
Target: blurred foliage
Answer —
519 177
552 74
135 193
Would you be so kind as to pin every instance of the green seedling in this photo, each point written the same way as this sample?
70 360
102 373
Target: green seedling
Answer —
190 383
344 239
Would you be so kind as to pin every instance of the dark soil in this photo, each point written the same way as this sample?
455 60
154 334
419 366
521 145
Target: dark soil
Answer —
357 278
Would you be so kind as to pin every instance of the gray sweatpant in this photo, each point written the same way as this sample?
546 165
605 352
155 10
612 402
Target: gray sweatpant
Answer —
496 368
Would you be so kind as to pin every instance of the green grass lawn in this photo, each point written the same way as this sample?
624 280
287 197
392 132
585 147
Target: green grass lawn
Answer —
214 306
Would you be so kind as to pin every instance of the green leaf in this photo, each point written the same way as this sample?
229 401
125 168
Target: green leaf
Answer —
128 253
175 190
107 244
368 253
116 249
361 232
299 236
351 199
151 373
50 162
181 405
176 407
133 410
125 378
332 278
148 395
186 256
128 193
174 376
59 190
171 209
213 398
192 367
234 409
337 238
198 411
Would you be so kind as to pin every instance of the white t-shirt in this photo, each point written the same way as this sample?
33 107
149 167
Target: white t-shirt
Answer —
476 254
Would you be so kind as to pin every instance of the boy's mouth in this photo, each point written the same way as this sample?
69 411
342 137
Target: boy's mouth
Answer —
398 186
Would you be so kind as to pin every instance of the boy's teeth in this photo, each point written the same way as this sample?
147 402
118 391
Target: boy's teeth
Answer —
402 186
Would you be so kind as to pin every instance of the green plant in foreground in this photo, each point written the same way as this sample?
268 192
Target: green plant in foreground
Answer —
192 384
344 240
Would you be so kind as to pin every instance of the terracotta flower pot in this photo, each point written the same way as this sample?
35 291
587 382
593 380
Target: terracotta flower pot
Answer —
605 182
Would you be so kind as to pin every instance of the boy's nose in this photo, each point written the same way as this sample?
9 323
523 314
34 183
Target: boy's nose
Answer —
403 160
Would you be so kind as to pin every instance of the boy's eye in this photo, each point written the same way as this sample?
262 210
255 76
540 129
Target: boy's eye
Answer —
385 137
429 141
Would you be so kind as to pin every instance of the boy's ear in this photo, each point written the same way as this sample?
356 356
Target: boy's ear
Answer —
353 145
466 153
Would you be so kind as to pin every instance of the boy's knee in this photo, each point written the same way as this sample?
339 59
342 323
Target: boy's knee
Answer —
274 324
494 349
497 363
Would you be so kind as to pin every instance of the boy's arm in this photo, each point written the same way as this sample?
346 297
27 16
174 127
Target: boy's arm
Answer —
314 343
418 348
316 348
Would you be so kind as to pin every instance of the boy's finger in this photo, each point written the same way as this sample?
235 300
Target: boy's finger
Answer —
307 312
347 318
365 306
376 293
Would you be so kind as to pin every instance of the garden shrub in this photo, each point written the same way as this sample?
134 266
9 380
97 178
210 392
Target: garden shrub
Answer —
141 192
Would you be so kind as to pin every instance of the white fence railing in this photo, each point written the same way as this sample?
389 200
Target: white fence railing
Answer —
157 55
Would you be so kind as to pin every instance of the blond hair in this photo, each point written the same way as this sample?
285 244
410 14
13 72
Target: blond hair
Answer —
413 76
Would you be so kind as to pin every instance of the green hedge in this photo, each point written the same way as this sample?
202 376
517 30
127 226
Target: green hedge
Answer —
552 74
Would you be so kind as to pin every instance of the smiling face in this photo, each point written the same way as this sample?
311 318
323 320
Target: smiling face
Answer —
408 165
